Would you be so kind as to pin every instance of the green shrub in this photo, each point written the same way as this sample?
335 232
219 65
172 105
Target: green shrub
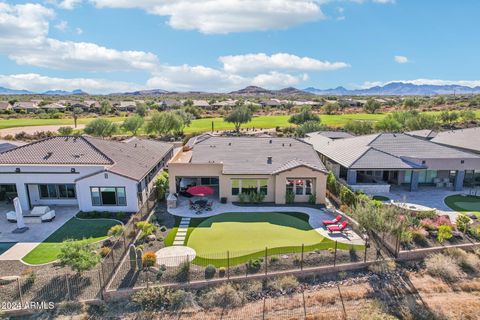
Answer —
116 230
242 197
153 298
254 265
162 185
474 231
78 256
221 272
462 223
121 215
180 299
428 214
287 284
444 233
347 196
104 251
255 197
467 261
442 266
289 197
146 228
224 296
312 199
183 274
274 259
210 271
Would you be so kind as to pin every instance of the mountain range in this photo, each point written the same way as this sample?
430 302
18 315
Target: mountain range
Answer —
398 88
76 92
393 88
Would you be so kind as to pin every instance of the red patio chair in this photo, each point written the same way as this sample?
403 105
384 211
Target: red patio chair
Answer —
338 228
334 221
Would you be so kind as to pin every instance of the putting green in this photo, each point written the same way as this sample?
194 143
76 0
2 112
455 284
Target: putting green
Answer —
246 235
464 203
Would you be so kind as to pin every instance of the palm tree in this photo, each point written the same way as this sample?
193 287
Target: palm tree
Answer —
75 113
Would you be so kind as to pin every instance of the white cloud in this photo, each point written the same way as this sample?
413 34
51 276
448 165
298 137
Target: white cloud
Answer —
225 16
400 59
25 40
79 31
261 62
24 30
65 4
62 25
23 23
39 83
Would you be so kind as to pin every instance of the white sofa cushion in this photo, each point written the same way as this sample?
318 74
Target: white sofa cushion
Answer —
49 216
12 216
39 211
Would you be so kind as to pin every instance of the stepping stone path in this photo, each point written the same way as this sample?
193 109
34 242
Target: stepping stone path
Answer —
181 232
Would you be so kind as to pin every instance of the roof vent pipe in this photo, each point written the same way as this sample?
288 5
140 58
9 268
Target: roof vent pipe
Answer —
269 160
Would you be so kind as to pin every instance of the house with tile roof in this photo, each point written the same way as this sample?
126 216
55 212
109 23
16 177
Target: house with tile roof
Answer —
373 163
236 165
91 173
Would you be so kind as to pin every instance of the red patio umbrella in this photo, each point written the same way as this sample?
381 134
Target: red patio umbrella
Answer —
200 191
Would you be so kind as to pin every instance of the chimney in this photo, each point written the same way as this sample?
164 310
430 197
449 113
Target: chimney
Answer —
269 160
270 141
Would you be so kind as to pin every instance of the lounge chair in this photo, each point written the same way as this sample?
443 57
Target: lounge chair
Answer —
49 216
209 206
334 221
338 228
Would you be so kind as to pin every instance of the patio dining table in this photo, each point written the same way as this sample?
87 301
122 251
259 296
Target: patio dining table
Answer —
201 203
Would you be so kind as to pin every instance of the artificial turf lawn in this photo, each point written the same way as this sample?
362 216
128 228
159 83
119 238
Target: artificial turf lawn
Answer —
464 203
83 230
381 198
245 236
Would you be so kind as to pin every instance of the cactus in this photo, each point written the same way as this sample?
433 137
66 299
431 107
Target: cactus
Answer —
133 256
139 259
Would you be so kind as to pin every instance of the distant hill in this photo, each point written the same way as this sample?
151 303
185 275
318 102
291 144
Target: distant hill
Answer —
153 92
13 91
398 88
76 92
258 91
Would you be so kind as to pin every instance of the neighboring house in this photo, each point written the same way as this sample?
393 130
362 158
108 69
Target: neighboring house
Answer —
310 103
331 134
91 173
170 104
86 105
235 165
201 104
54 106
226 103
27 106
271 103
464 139
125 106
5 106
6 145
373 163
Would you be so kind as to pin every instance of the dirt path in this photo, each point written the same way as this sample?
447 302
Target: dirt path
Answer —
33 129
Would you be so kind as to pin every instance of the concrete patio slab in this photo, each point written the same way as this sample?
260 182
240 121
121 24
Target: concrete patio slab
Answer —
36 233
175 256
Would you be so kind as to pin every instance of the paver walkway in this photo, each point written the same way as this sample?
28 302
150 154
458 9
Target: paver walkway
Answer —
182 232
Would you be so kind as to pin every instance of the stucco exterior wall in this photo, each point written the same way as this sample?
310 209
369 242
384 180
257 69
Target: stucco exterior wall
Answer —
40 175
320 179
107 179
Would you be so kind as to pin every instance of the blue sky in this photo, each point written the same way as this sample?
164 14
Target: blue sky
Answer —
221 45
